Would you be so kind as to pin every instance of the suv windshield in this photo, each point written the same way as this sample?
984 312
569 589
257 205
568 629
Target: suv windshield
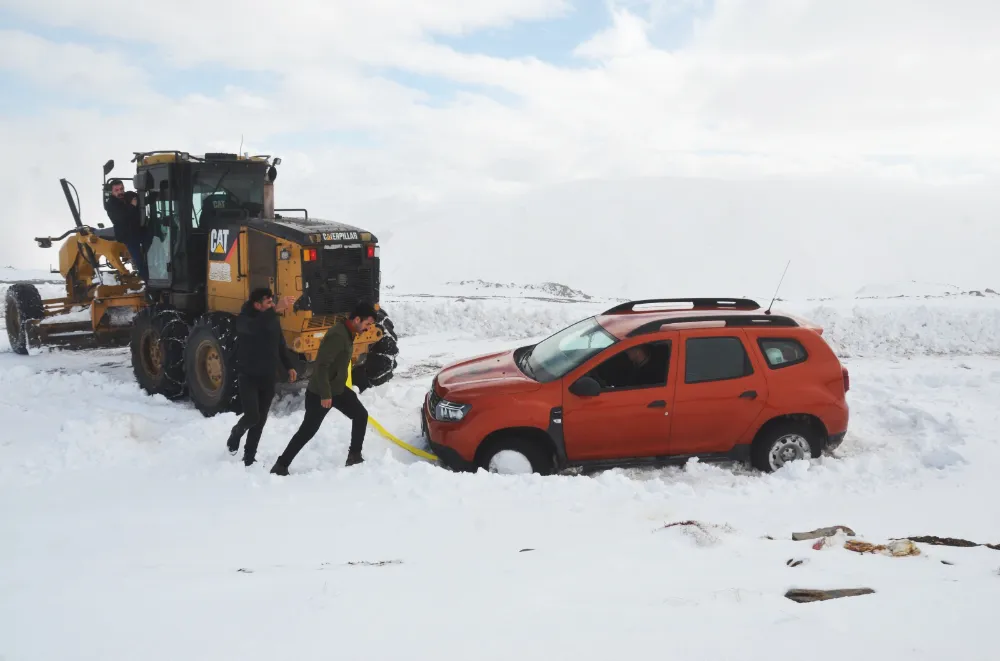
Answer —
558 355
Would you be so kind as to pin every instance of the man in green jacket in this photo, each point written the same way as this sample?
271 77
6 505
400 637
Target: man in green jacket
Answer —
328 389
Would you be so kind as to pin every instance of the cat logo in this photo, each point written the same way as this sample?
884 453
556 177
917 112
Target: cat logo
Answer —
218 242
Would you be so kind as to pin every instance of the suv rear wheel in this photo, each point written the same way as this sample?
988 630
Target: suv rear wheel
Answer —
781 443
515 455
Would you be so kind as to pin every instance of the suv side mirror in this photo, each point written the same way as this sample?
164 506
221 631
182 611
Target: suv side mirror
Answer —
586 387
108 167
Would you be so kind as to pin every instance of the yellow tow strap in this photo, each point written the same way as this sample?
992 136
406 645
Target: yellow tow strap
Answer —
388 436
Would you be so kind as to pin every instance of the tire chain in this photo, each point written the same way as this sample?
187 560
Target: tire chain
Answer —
166 336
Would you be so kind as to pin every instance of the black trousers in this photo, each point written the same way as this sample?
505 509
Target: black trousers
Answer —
256 393
347 403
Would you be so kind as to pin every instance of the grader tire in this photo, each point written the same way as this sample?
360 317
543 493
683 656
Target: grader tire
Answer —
380 363
23 305
157 344
210 365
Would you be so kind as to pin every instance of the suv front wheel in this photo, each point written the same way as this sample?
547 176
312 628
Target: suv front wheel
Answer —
782 443
515 455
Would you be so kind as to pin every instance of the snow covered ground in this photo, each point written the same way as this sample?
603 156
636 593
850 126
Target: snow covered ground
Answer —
130 533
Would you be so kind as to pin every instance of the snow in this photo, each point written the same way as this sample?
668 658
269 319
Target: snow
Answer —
9 274
886 327
129 532
75 314
510 462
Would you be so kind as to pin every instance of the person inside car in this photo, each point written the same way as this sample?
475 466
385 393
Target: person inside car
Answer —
633 367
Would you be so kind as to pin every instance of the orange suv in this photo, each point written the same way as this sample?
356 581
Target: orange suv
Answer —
645 383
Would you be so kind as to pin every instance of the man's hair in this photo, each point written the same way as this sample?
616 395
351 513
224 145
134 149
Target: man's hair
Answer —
363 310
116 182
259 294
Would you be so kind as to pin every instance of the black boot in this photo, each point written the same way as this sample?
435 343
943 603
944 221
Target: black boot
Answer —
354 457
279 468
250 449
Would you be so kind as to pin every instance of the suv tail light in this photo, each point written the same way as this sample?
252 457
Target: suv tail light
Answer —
847 379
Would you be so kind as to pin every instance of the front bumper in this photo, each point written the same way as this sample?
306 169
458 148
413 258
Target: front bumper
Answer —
448 456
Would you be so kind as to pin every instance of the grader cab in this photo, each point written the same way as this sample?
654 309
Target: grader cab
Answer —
212 235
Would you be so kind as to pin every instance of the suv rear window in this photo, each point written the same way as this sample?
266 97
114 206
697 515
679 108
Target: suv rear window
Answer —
715 359
782 352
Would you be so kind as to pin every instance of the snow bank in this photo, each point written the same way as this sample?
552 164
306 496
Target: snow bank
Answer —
9 274
904 328
487 319
911 330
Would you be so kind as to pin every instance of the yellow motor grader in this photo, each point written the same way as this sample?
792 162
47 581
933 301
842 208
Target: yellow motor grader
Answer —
212 235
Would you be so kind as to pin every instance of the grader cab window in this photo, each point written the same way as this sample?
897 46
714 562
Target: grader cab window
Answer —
232 192
160 224
164 227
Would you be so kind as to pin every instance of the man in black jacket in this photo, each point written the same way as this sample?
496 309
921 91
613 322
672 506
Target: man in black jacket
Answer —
260 347
123 211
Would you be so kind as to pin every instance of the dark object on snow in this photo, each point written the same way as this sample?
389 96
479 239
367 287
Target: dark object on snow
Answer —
369 563
794 563
807 596
523 550
821 532
950 541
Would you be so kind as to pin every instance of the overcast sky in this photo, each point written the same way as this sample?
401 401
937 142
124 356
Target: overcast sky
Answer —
420 101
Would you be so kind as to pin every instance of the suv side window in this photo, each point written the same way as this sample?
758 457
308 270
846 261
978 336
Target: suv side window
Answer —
641 366
715 359
782 352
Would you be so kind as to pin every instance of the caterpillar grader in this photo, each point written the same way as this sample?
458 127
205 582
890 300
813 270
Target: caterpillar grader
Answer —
212 235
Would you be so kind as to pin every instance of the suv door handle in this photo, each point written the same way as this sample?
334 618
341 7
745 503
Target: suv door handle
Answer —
658 404
749 394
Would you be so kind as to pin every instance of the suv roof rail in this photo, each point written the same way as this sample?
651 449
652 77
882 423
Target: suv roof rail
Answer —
742 320
711 303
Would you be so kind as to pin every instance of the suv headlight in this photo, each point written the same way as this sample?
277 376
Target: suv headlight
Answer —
446 411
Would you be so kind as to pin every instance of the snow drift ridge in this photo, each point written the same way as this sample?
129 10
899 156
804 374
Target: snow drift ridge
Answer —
902 329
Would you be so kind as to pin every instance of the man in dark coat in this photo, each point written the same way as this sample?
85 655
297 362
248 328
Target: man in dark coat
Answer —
123 212
260 348
328 389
